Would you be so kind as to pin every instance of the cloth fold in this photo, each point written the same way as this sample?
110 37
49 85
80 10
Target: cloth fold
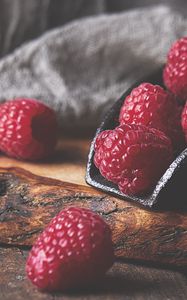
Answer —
80 69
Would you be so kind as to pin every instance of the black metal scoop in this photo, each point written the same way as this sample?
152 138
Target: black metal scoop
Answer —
170 191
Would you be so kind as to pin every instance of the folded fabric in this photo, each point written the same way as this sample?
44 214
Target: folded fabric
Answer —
80 69
23 20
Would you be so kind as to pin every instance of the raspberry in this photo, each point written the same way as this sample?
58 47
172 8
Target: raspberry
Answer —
152 106
74 250
132 156
28 129
175 71
184 121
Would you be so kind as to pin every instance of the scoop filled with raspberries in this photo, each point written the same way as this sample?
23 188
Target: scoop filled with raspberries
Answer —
151 130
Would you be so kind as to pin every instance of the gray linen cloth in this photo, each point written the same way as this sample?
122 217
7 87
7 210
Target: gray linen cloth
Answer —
80 69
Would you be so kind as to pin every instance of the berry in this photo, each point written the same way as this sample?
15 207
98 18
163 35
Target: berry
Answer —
132 156
152 106
28 129
74 250
184 121
175 71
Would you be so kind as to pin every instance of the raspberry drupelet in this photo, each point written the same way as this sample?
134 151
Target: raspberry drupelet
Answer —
74 250
28 129
152 106
175 71
133 157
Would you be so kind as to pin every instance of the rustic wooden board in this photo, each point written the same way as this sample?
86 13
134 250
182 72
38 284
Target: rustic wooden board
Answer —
28 202
68 163
123 281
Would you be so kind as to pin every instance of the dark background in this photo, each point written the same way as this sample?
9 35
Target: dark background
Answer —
23 20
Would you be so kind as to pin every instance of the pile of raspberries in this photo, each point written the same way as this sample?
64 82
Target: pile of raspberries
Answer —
152 129
76 248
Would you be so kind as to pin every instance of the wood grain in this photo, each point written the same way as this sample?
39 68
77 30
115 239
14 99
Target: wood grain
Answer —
28 202
123 281
68 163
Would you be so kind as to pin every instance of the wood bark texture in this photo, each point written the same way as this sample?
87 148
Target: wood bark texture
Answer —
28 202
123 281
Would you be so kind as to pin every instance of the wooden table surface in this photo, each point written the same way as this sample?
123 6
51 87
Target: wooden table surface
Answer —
126 280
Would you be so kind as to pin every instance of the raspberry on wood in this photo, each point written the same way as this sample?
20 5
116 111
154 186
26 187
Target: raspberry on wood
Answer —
133 157
152 106
28 129
74 250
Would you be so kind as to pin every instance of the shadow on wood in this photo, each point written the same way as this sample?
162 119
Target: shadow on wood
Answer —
28 202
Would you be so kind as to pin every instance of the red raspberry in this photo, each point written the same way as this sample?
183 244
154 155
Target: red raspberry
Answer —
175 71
28 129
152 106
133 156
74 250
184 121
